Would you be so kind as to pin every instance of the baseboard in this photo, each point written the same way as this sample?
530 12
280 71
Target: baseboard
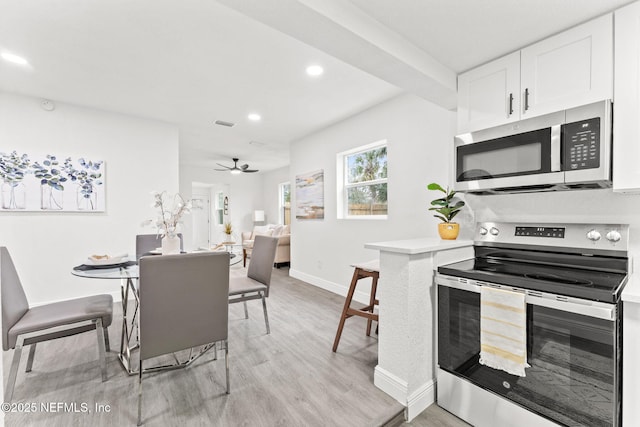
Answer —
395 387
361 297
421 400
390 384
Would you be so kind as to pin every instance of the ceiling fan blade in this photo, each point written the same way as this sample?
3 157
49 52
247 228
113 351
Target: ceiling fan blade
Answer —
227 167
249 170
245 166
222 170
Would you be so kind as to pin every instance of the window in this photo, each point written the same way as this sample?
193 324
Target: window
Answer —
284 203
362 178
219 219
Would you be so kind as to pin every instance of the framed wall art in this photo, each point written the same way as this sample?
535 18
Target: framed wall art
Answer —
48 183
310 195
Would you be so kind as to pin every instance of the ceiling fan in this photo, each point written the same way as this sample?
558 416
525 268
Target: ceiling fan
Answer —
235 169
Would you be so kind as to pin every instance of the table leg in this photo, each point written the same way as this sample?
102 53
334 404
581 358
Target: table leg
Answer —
129 323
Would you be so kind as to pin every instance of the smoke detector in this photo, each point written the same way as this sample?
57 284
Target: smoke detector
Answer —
47 105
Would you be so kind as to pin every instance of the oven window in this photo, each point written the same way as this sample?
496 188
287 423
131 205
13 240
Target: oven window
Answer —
505 161
522 154
574 373
458 329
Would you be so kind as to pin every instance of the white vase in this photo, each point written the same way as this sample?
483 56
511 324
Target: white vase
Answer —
170 245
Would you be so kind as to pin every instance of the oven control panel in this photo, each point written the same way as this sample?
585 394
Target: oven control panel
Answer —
557 232
589 237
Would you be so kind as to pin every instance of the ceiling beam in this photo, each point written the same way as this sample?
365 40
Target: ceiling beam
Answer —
341 29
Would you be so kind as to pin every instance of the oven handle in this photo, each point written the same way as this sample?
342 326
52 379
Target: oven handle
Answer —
556 147
557 302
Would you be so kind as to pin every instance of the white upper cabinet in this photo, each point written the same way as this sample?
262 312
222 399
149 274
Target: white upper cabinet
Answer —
570 69
489 95
567 70
626 126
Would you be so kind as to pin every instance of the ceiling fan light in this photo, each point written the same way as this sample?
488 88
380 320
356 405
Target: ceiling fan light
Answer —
236 171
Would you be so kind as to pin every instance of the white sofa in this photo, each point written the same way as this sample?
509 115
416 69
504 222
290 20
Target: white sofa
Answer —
282 232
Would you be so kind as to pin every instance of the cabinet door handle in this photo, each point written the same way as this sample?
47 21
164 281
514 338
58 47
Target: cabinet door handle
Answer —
511 103
526 99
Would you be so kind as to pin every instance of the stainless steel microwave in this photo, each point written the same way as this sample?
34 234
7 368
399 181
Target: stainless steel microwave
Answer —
565 150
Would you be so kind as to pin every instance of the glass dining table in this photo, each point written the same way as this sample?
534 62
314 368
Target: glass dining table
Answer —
128 274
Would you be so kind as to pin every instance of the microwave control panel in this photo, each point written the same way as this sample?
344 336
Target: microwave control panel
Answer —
581 144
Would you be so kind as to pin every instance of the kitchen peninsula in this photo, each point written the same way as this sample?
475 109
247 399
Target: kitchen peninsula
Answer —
406 341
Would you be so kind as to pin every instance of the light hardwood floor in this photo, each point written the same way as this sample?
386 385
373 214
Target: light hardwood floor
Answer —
288 378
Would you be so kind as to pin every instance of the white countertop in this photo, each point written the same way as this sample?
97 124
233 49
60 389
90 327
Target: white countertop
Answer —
418 246
631 291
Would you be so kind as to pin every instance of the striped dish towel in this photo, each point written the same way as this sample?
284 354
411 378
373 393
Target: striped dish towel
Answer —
503 330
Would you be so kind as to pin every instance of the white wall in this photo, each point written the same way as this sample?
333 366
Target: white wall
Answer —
140 156
245 196
271 195
419 136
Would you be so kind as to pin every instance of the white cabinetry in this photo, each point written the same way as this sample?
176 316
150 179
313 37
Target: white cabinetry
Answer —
626 126
567 70
489 95
570 69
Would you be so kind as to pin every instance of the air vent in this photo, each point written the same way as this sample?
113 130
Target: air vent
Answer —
257 143
223 123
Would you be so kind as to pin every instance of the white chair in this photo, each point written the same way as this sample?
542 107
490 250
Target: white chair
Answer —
22 325
183 304
255 284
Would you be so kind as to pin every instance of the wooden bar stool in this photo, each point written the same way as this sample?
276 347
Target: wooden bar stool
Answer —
362 271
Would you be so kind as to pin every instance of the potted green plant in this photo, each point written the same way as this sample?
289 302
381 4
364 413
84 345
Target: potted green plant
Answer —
228 229
447 208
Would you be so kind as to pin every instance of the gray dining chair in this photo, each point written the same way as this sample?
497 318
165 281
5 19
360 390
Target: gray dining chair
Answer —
146 243
183 305
255 284
23 325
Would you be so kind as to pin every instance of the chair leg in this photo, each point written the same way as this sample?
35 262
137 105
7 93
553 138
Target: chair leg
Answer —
32 353
101 350
107 346
372 300
13 372
140 394
246 312
347 304
226 361
266 317
244 257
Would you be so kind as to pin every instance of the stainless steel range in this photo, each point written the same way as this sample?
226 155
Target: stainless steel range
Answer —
571 277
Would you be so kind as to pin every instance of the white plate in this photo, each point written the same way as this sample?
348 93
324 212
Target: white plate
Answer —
109 261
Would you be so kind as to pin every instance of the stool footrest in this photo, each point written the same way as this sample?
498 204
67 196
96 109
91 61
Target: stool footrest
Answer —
353 312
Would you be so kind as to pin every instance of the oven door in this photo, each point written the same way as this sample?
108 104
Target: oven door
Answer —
573 353
526 154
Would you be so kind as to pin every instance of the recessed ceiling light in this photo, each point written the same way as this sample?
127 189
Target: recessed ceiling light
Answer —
254 117
10 57
314 70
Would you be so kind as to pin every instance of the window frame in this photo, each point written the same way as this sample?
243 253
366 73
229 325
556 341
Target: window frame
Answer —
343 185
281 202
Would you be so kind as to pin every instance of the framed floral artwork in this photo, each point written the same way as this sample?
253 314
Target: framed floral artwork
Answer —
49 183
